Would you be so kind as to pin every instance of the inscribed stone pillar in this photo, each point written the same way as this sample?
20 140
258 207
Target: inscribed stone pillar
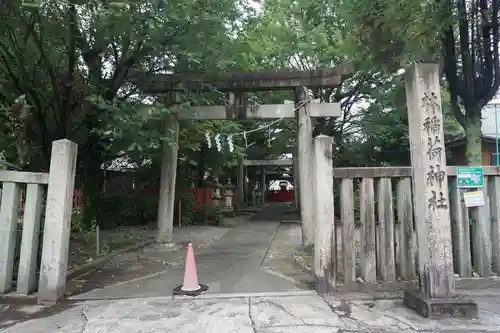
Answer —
57 226
305 156
430 194
166 204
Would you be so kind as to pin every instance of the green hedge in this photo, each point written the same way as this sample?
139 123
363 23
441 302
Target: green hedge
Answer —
137 209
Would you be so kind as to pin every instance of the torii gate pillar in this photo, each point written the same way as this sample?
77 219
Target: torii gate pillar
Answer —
305 156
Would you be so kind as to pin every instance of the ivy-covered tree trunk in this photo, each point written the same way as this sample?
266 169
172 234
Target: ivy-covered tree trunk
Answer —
92 188
93 180
474 151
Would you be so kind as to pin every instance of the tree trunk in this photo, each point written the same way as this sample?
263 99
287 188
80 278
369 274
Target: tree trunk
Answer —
92 176
93 180
474 150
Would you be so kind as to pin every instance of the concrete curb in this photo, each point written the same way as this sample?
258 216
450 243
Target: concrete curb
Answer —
275 273
13 298
245 295
82 269
204 296
461 284
269 245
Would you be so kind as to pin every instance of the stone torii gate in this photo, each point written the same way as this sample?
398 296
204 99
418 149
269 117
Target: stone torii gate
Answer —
263 173
436 293
237 109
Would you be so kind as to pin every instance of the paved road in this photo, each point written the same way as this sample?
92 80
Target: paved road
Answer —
232 265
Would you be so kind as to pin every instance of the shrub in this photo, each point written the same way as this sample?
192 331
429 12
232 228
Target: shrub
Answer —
127 210
187 214
211 215
205 214
136 209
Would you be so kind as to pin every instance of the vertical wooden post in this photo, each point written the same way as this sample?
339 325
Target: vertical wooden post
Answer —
481 238
386 228
460 232
494 192
166 204
325 239
367 215
57 225
405 218
9 212
430 197
347 219
305 156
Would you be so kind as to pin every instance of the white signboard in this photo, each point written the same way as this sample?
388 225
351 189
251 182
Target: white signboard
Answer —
474 199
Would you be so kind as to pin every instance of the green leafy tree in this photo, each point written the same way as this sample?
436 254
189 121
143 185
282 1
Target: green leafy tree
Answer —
306 35
382 139
69 61
462 35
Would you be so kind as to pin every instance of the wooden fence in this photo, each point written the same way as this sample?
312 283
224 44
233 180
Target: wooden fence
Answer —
376 238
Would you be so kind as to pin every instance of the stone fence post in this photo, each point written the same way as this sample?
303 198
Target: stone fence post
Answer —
57 225
324 241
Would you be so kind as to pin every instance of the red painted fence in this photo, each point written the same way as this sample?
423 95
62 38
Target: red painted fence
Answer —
201 196
280 196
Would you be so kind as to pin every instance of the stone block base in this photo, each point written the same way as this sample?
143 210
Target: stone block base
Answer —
435 308
321 285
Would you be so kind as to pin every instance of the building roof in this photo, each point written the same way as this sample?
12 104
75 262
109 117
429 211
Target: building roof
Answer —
488 126
461 141
489 129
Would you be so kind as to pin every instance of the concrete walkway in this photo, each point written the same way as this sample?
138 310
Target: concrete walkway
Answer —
231 265
261 303
299 313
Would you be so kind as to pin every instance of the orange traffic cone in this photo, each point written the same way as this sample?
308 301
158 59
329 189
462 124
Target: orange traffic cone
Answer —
190 286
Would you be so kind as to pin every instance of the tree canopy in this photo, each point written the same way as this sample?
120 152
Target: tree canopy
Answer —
64 68
462 35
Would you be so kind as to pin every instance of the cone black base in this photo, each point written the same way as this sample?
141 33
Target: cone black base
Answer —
193 293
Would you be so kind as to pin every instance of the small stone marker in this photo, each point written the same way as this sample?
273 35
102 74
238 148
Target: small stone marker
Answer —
436 296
